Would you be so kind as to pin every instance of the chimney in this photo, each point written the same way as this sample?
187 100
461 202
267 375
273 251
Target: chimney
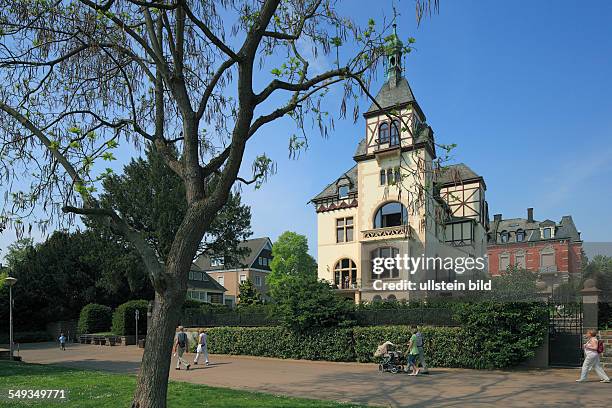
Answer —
530 214
497 217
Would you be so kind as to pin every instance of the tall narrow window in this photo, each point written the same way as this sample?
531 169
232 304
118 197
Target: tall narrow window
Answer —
546 233
344 229
383 133
504 236
504 262
395 133
390 176
398 176
519 260
383 177
520 235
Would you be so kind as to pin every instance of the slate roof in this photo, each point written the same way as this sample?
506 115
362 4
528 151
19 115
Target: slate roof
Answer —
255 246
350 177
565 229
455 173
389 96
207 283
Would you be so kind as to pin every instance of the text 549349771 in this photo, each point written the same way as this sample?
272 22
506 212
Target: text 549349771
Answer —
31 394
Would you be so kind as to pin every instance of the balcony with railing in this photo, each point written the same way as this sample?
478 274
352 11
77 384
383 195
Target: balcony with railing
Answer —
396 232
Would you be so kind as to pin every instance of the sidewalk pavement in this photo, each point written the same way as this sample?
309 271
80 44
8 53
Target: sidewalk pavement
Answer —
354 382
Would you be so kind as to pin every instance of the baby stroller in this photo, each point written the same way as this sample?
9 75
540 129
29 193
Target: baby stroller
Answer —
390 359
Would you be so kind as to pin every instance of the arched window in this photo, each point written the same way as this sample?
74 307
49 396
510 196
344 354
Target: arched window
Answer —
395 133
377 298
391 215
383 133
520 235
391 298
384 253
504 236
345 273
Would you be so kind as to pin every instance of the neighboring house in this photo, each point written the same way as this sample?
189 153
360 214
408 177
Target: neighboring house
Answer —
550 249
363 214
203 288
254 266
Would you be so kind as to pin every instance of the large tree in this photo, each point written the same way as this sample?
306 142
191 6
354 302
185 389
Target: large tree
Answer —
152 197
81 78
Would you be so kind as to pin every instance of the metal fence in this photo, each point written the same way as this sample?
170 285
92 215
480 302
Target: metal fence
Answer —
383 317
416 316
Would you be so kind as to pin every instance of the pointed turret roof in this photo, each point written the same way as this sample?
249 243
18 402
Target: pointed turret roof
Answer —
393 97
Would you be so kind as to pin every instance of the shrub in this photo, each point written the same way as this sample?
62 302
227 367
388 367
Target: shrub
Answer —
332 344
124 318
498 335
441 343
491 335
95 318
307 304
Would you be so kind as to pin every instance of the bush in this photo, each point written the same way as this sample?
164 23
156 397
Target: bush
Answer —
491 335
95 318
27 337
322 344
498 335
124 318
442 344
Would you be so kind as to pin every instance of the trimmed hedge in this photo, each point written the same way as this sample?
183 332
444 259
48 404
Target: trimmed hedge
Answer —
491 336
95 318
279 342
124 321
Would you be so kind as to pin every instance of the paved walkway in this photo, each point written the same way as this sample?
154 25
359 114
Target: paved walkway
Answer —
351 381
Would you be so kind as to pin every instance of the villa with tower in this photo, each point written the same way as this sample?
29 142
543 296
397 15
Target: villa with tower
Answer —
398 200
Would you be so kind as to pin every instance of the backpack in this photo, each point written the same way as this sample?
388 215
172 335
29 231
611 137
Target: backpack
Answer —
600 346
182 339
419 339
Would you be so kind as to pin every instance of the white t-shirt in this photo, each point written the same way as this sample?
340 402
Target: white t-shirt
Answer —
203 339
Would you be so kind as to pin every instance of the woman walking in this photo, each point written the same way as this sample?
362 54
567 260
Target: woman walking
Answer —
591 358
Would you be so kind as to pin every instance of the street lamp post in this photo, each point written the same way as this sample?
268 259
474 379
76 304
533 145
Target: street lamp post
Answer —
10 281
137 316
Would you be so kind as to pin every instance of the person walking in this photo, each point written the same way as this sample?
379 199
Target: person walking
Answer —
419 344
62 342
592 349
413 352
180 346
202 347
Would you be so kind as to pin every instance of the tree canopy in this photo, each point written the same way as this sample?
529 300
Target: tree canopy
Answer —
290 260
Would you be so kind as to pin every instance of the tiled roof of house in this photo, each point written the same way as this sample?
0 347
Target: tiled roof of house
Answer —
455 173
565 229
349 177
255 247
389 96
207 283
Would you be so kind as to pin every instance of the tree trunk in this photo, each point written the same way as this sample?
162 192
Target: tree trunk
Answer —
152 386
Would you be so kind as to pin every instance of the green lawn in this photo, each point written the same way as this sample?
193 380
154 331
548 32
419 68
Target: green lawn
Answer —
97 389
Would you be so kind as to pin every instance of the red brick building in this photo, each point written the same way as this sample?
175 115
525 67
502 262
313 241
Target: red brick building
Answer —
550 249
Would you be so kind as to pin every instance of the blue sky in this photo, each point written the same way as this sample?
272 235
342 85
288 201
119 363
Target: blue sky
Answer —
523 88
